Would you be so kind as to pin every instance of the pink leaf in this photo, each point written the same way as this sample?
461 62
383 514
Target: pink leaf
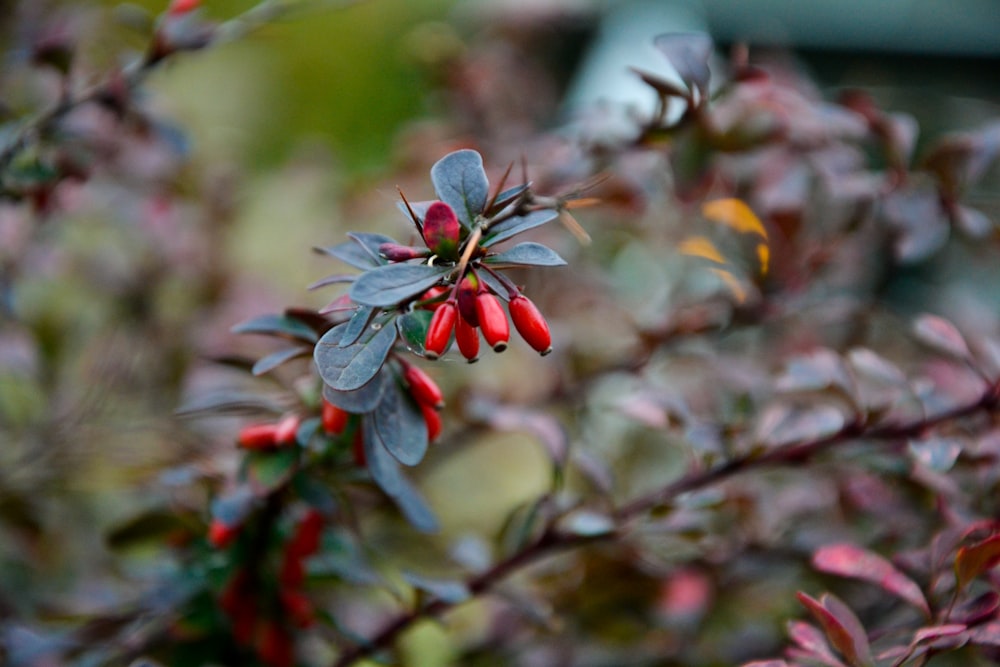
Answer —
847 560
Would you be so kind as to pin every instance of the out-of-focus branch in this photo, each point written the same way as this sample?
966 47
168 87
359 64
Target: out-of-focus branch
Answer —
553 541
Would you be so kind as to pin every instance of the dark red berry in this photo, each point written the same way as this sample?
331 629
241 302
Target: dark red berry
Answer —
530 324
468 290
467 337
258 436
221 535
439 330
493 321
423 388
298 607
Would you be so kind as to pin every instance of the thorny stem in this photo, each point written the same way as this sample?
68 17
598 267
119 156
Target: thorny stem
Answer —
553 541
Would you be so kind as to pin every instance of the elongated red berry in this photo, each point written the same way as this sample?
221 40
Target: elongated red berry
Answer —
395 252
530 324
493 321
305 540
293 571
422 387
433 420
333 419
286 430
439 330
468 290
430 295
258 436
221 535
441 230
274 647
467 337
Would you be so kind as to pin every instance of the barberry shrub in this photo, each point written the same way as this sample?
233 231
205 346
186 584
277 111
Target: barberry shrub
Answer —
752 433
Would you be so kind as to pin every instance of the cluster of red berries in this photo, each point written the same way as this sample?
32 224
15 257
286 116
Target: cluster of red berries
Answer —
475 308
269 636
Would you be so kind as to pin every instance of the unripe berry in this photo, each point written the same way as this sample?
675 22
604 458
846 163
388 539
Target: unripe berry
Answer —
333 419
530 324
258 436
286 430
493 321
395 252
221 535
423 388
467 338
433 420
441 230
439 330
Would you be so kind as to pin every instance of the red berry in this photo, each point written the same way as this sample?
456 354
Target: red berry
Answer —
234 595
305 540
430 295
530 324
467 338
433 420
358 449
286 430
178 7
439 330
258 436
493 321
468 290
293 571
244 622
221 535
275 647
441 230
298 607
333 419
423 388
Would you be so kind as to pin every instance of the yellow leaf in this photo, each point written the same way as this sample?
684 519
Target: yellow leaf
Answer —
734 213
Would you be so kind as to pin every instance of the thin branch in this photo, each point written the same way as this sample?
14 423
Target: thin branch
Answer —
553 541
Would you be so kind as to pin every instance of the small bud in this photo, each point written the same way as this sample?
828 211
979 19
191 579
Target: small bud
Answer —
433 420
422 387
493 321
467 337
439 330
441 230
530 324
286 430
333 419
394 252
221 535
258 436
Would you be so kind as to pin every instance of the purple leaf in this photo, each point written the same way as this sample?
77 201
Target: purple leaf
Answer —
841 627
847 560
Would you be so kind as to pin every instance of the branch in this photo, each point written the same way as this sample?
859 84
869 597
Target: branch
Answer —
553 541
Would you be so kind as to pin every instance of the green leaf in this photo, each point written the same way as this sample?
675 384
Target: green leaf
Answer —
452 591
350 368
275 359
388 285
360 400
413 328
277 325
461 182
370 244
527 254
351 253
387 474
518 224
357 325
400 426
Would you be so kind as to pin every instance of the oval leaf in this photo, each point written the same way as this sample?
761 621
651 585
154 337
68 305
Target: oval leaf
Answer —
356 325
841 627
350 368
360 400
388 285
277 325
689 54
972 561
941 335
275 359
527 254
370 244
387 474
413 328
847 560
400 426
352 254
460 181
